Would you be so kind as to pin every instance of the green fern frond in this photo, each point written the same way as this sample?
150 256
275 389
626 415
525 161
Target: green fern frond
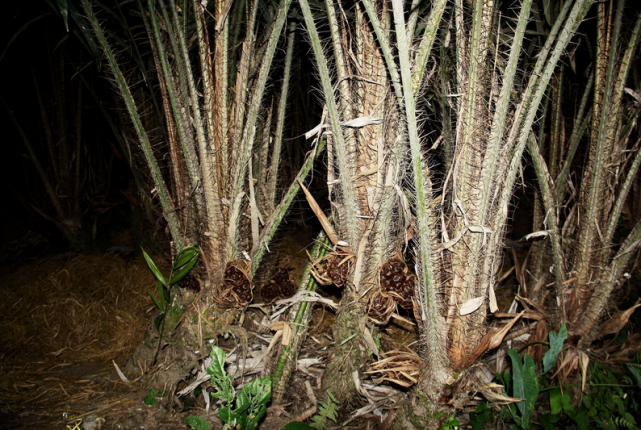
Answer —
626 422
326 410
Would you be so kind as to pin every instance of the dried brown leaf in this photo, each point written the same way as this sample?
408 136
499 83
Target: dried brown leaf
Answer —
329 230
620 319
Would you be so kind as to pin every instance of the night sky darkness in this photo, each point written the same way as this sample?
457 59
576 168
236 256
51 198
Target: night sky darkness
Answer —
31 51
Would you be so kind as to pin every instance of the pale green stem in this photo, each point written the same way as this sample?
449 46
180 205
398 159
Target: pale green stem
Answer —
552 226
530 92
206 72
240 168
622 78
212 200
610 278
529 107
347 185
461 47
222 99
301 315
541 122
495 141
593 191
173 32
246 58
341 73
182 124
271 225
473 82
556 125
430 313
263 176
159 183
623 194
580 126
280 120
425 48
446 111
532 99
415 8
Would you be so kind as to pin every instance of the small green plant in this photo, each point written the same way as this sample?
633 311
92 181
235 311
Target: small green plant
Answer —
611 398
297 425
185 261
525 385
326 410
450 424
238 412
183 264
480 416
150 400
609 402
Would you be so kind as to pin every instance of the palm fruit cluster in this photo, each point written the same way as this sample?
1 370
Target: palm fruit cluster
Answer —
236 289
335 269
278 287
380 307
190 282
397 283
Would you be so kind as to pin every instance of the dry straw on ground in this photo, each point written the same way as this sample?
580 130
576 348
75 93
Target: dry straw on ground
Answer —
61 325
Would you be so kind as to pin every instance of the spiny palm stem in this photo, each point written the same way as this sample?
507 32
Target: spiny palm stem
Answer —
544 179
584 248
159 183
280 120
241 87
212 214
181 121
239 170
430 312
425 47
580 126
347 186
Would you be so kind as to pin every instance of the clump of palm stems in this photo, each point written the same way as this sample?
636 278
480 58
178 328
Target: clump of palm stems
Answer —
382 61
209 74
590 236
428 109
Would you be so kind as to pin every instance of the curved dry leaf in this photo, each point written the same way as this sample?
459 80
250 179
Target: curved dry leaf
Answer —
498 398
634 95
620 319
479 229
584 360
540 233
471 305
494 307
316 130
327 226
628 250
497 337
362 122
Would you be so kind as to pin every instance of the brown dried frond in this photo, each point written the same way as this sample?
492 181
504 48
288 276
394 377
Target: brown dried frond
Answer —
401 368
569 359
540 334
236 290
